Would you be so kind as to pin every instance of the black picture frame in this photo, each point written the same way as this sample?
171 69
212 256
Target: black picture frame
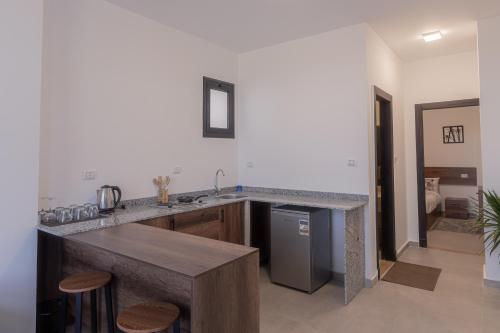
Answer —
227 87
453 134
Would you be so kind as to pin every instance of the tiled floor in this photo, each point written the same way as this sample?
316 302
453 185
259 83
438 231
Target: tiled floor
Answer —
455 241
460 303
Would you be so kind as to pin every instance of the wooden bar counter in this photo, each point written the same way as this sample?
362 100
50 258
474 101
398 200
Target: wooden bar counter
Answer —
216 284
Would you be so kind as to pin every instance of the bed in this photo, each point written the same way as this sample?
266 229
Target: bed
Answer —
432 201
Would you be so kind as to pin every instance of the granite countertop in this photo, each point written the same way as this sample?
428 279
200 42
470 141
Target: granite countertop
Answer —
178 252
145 212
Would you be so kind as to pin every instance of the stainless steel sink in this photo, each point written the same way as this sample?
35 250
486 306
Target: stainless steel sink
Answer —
231 196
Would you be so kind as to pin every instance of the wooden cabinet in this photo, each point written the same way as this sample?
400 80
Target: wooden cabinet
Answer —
164 222
457 208
233 226
223 223
204 222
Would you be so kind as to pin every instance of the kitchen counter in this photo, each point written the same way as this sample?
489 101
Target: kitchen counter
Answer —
174 251
144 212
214 283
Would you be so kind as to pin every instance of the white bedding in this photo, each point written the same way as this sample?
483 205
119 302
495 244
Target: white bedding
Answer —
432 200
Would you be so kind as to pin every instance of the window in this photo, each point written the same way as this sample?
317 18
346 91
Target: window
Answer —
218 109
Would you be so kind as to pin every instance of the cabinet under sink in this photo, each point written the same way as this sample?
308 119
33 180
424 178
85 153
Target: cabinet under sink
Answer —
225 223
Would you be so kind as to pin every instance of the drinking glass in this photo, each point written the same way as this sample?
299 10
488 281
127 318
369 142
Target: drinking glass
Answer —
93 211
81 213
49 217
65 216
58 211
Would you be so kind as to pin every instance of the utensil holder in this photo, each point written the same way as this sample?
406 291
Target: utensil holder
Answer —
163 195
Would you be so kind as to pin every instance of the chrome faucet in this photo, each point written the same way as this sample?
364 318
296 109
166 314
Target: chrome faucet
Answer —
217 188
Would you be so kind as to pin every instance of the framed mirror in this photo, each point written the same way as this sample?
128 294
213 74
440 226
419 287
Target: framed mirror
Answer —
218 108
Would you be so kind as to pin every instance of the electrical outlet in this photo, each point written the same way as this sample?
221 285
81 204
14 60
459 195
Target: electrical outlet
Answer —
464 175
89 175
177 170
249 164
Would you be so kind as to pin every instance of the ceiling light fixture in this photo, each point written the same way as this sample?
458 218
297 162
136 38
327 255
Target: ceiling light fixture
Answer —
432 36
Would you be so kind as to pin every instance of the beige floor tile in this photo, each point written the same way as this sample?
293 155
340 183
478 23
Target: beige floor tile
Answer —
459 304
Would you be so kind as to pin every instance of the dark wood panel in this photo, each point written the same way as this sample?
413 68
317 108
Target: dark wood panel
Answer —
182 253
452 175
210 229
233 223
238 308
186 220
165 222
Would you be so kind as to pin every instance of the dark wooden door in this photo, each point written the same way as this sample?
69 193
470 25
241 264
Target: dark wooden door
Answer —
386 224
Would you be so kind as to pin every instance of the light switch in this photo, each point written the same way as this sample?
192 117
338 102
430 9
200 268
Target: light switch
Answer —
351 163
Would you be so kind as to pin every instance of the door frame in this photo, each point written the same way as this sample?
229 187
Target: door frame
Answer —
419 134
388 228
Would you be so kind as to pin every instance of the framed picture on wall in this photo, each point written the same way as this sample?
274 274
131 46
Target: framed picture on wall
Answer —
453 134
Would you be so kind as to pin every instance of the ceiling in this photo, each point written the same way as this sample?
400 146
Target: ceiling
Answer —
245 25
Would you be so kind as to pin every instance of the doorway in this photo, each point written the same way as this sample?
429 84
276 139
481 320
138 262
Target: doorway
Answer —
430 177
384 156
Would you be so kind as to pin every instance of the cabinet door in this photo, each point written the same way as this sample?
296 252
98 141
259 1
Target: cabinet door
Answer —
164 222
233 223
204 223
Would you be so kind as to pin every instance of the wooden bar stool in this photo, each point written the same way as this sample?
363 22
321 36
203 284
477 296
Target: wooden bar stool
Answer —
149 318
78 284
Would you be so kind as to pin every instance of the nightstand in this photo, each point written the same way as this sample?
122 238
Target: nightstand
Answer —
457 208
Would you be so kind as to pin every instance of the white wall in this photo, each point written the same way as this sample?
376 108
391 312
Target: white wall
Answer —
467 154
303 114
385 71
432 80
20 65
306 108
489 59
123 96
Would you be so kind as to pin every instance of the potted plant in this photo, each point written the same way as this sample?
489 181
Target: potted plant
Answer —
488 219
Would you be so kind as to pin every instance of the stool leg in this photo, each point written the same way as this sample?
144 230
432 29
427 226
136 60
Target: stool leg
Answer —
177 326
109 308
62 327
93 307
78 315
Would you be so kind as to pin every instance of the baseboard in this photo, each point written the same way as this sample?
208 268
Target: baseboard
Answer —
371 282
489 282
338 279
405 246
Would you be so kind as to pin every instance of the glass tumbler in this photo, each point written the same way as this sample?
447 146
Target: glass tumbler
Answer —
93 211
65 216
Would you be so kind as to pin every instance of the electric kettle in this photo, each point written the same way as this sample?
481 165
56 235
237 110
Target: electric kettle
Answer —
108 198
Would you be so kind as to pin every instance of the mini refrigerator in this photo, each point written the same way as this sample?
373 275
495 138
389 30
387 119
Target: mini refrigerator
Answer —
301 252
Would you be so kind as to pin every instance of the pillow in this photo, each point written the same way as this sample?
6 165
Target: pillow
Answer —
432 184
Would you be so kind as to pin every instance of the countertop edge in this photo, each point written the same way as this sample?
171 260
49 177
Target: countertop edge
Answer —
114 220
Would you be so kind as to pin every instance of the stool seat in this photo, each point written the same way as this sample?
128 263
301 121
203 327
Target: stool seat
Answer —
148 317
86 281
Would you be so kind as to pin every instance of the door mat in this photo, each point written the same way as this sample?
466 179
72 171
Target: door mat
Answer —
416 276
